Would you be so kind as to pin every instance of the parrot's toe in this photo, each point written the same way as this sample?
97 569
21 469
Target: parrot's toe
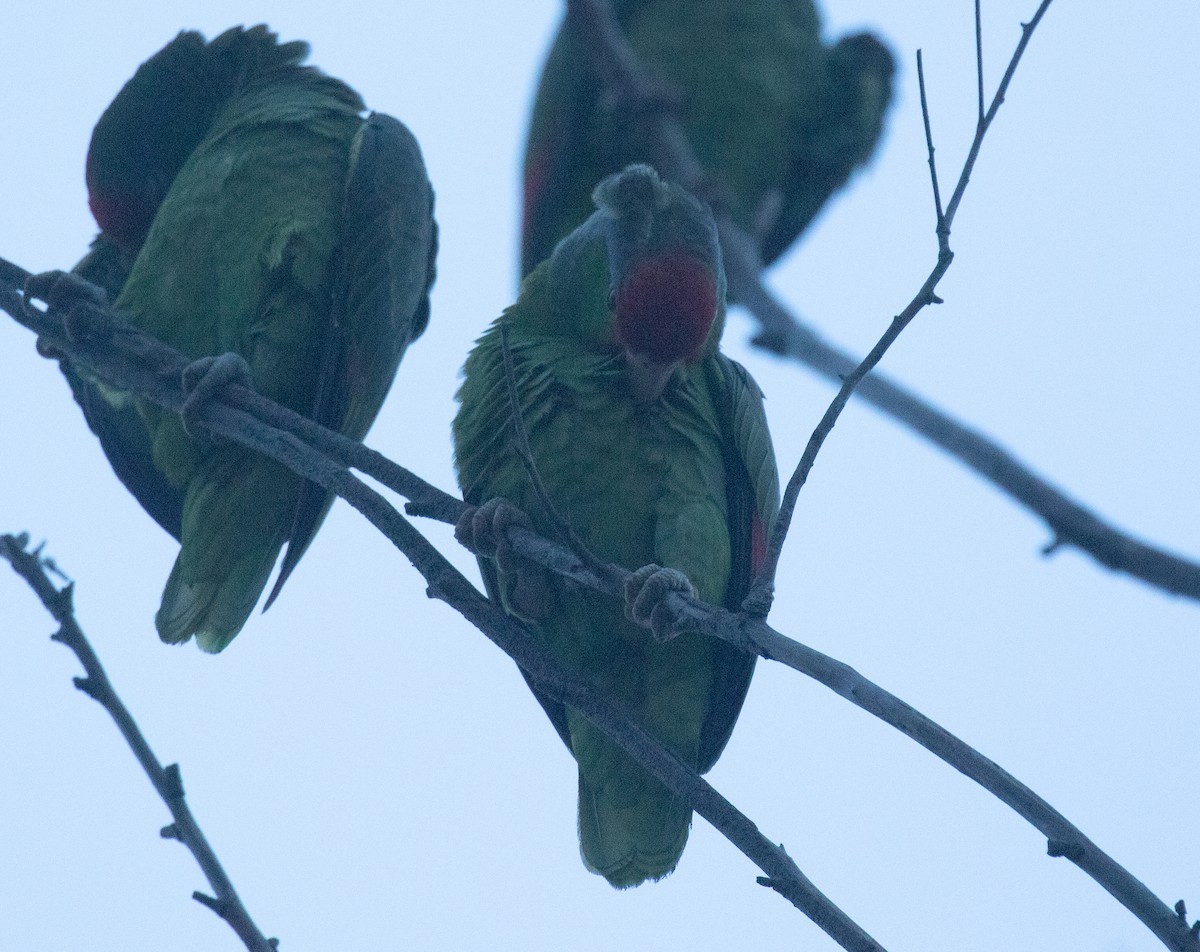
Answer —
79 301
482 530
645 592
204 379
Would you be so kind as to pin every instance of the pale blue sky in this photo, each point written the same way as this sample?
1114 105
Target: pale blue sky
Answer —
374 774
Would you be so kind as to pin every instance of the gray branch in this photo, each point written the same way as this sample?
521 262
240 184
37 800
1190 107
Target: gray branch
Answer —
167 781
154 371
782 333
129 360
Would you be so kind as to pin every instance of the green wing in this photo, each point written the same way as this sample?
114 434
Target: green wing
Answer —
383 271
117 424
752 494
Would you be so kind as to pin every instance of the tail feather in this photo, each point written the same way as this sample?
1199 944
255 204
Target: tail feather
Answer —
631 827
233 512
213 610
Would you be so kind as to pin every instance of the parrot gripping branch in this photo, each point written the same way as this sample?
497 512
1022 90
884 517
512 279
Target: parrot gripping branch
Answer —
122 358
1071 523
29 564
156 373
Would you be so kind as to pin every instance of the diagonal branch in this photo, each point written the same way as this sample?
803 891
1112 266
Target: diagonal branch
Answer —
166 780
1071 523
155 374
562 527
323 457
765 581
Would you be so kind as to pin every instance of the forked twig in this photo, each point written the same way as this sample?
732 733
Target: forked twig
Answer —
323 456
764 583
1071 523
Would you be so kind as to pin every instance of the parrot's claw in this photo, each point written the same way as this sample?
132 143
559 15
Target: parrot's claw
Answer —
203 380
645 592
482 530
79 301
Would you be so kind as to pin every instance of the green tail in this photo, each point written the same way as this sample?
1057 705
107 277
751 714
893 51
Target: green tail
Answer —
233 512
631 827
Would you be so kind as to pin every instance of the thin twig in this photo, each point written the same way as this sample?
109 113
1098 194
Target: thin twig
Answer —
155 375
979 56
166 780
986 122
765 580
562 527
286 439
1071 523
937 195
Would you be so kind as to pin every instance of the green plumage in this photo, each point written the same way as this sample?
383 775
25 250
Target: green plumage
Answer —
779 119
685 480
257 212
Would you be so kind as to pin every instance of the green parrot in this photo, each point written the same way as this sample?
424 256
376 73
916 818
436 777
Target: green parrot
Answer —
777 118
654 447
247 206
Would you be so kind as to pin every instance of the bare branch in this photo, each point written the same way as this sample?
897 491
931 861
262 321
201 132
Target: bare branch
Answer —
765 581
937 195
155 373
1070 522
985 121
979 56
166 780
287 439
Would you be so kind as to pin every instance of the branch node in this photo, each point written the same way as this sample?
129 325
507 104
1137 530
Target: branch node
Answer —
170 832
1051 547
64 599
219 906
1181 910
88 686
1064 848
172 782
757 603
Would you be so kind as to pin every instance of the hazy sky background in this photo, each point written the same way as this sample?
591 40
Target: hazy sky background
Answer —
374 774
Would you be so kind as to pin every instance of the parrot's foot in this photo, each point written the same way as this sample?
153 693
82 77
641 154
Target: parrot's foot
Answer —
526 585
645 592
79 301
203 380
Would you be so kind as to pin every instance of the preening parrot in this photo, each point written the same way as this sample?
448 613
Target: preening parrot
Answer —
779 119
654 447
246 205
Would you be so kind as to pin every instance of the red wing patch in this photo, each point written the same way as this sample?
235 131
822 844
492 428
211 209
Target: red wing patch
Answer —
758 544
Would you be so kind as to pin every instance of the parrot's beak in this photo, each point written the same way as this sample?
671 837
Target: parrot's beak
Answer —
647 376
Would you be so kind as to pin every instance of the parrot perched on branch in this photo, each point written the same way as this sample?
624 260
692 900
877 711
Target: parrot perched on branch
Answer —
777 118
653 446
247 206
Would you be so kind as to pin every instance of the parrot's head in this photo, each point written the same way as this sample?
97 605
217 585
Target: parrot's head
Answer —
666 291
862 63
159 117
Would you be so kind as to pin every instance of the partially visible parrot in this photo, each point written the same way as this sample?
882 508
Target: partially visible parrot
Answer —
654 447
246 205
779 119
